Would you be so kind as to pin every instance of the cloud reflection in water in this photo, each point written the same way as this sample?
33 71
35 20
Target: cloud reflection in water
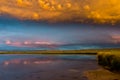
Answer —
26 62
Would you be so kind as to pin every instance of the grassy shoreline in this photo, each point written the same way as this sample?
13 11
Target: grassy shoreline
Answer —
109 61
85 51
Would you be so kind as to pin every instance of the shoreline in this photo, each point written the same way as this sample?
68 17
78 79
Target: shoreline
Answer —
101 74
84 51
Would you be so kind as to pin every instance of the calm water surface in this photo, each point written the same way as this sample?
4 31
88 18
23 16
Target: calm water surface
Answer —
46 67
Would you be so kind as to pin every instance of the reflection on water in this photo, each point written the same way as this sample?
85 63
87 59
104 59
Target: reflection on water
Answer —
40 67
26 61
39 59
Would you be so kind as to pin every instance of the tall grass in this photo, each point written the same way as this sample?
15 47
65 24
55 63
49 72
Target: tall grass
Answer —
110 60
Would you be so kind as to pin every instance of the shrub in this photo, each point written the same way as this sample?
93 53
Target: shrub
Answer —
109 60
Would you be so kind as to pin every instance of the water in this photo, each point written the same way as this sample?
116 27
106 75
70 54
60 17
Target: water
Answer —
45 67
4 57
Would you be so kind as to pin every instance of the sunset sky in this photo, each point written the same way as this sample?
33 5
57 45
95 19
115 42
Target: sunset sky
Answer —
59 24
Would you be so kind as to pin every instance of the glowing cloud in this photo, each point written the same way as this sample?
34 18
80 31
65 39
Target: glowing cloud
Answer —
29 44
8 42
100 11
116 38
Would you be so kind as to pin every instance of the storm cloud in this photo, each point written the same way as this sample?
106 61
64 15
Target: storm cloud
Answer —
100 11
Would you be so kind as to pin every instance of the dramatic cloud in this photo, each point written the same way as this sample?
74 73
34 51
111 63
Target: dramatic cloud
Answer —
98 11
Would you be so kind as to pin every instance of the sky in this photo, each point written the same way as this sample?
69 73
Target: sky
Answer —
59 24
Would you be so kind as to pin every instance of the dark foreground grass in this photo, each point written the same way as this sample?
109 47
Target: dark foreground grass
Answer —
110 60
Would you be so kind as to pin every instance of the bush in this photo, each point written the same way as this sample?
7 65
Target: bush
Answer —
109 60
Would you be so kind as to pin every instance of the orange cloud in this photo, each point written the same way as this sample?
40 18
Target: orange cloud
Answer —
100 11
